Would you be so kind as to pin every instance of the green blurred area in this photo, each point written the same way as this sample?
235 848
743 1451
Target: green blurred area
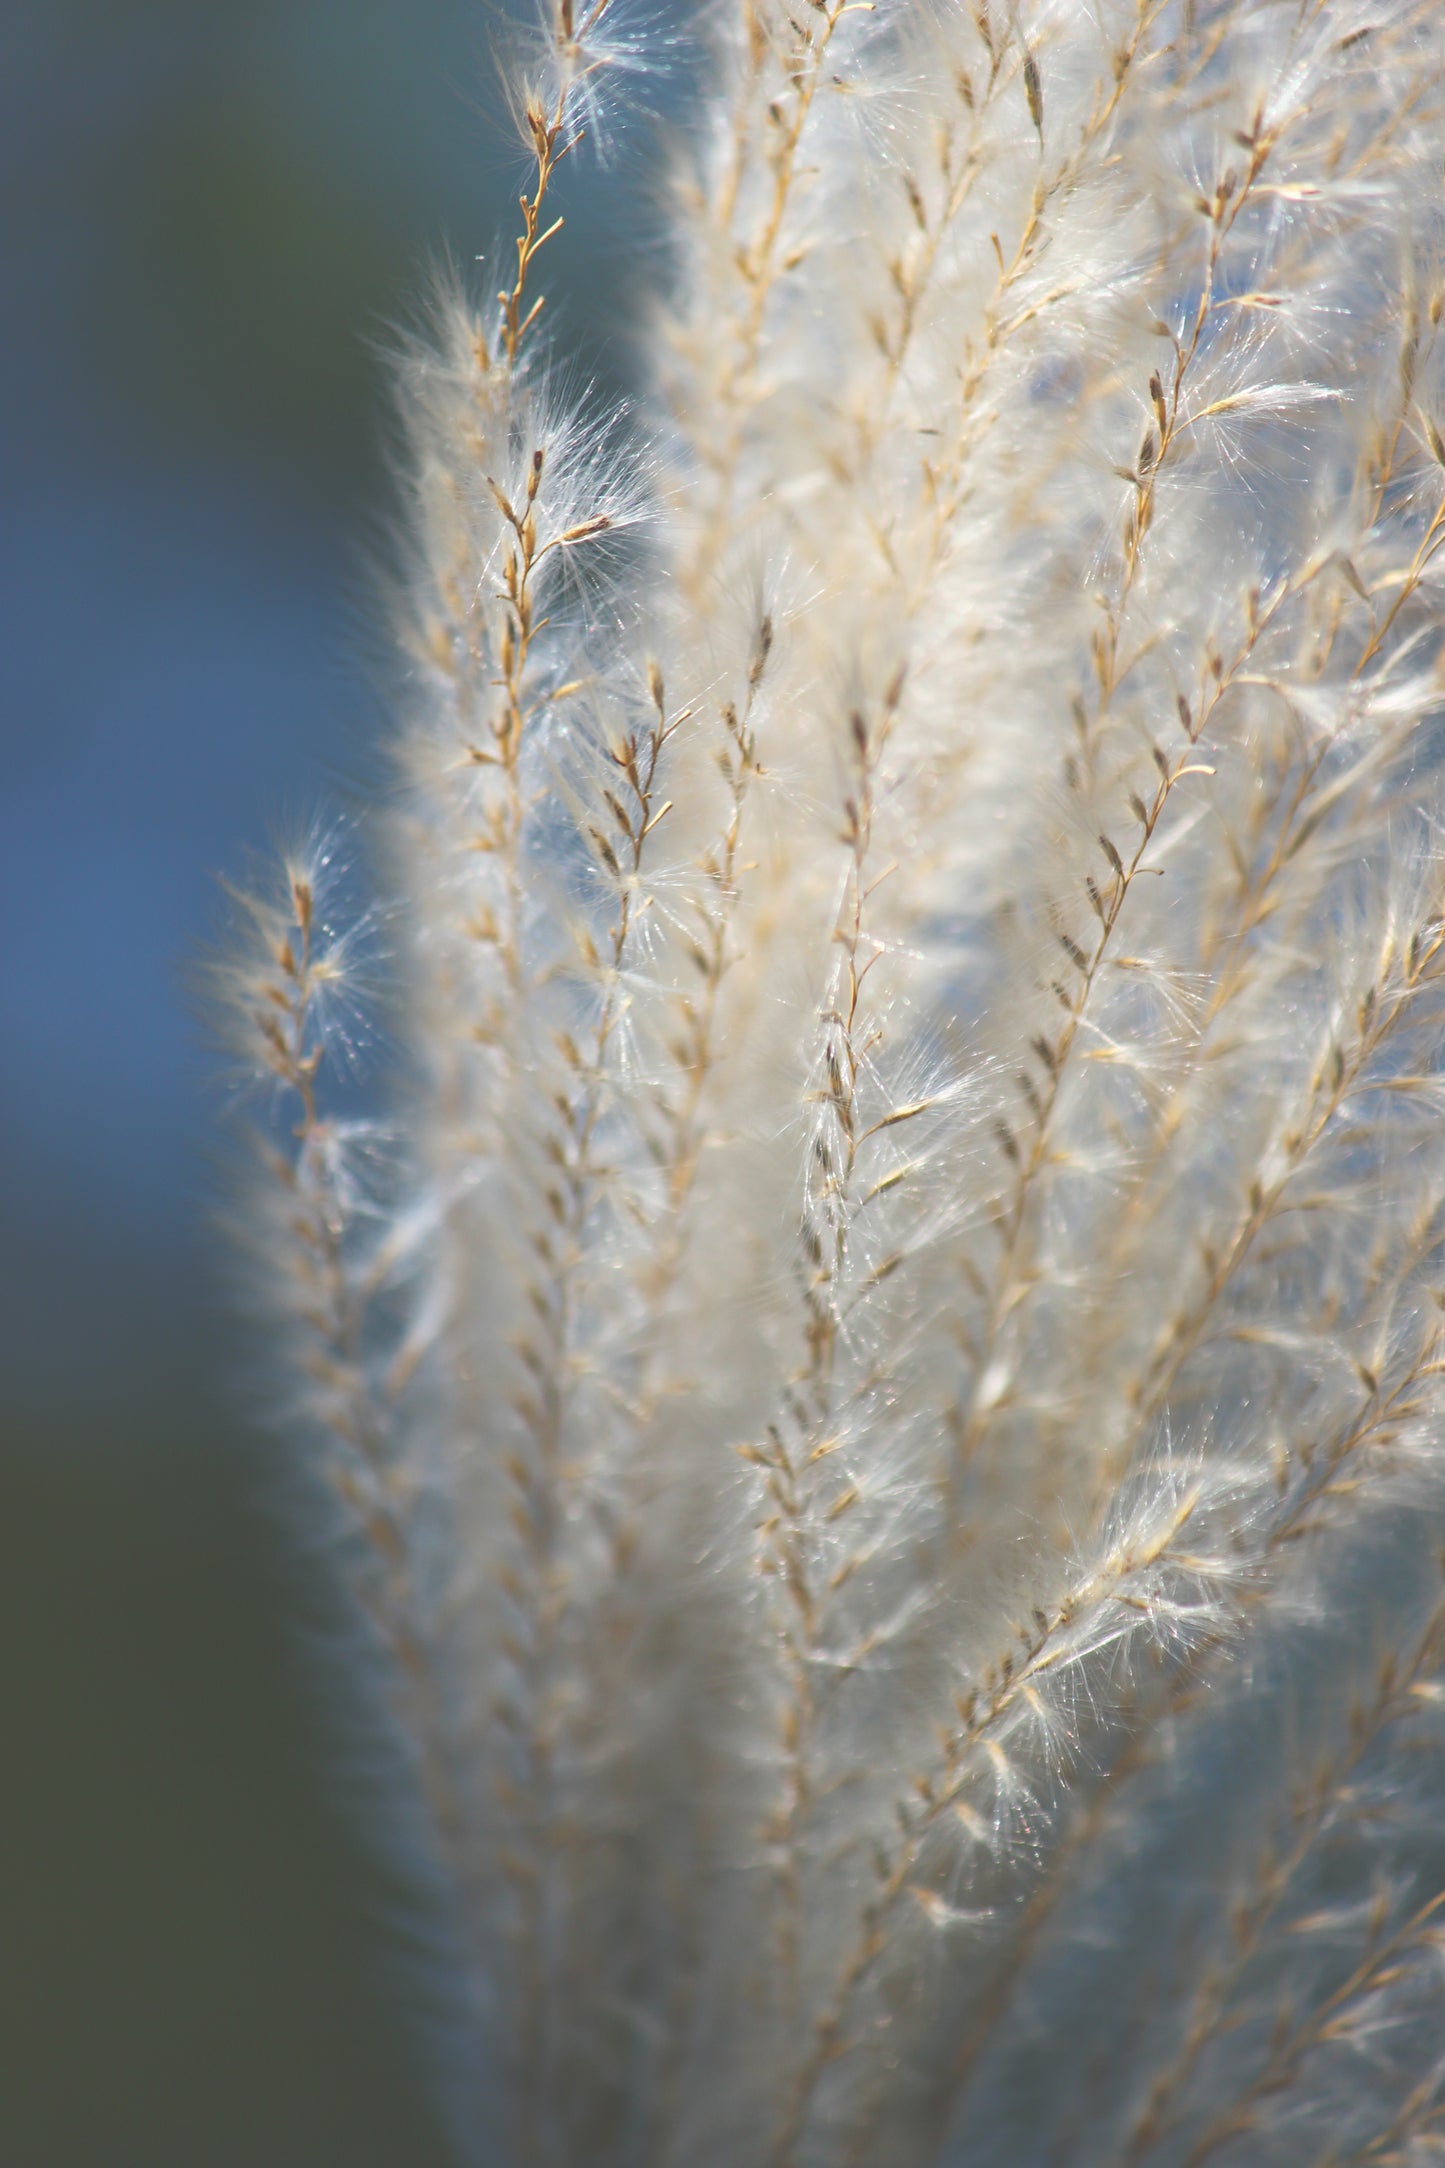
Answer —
263 189
268 273
194 1971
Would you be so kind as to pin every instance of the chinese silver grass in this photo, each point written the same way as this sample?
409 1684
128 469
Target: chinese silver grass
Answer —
892 1409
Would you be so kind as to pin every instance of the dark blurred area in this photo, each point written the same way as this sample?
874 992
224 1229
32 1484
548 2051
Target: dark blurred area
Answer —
213 213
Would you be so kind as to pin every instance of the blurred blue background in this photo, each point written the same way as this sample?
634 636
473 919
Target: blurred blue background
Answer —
212 212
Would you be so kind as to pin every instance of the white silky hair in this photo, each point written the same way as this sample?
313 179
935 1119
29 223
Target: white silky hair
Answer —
885 1362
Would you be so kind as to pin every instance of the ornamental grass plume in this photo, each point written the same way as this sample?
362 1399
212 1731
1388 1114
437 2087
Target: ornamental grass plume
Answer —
885 1369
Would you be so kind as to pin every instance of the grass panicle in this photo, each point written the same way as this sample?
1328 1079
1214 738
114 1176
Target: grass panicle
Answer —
885 1363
